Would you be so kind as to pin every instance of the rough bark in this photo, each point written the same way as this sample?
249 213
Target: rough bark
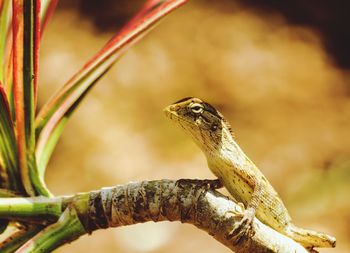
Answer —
188 201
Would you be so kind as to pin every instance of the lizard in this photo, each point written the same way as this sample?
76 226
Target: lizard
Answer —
238 174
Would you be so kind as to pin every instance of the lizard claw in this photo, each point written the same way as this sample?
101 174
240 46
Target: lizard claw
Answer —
243 228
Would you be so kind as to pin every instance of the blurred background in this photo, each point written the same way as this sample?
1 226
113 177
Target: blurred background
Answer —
278 71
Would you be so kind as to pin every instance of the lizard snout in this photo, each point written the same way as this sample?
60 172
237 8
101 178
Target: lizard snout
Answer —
171 110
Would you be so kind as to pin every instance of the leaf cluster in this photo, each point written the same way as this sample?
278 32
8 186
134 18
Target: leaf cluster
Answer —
28 136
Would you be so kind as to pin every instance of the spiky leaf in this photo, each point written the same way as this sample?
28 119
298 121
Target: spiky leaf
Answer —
8 146
5 21
26 33
53 116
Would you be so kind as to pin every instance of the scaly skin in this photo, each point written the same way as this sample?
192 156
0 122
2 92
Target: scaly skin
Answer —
244 181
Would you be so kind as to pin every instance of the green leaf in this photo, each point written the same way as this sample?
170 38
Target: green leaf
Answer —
8 145
46 11
10 177
52 117
6 193
26 35
5 21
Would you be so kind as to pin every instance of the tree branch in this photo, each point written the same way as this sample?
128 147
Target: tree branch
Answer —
189 201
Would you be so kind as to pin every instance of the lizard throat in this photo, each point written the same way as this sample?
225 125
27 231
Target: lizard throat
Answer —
213 144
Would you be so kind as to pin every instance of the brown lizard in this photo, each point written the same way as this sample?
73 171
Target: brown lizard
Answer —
240 176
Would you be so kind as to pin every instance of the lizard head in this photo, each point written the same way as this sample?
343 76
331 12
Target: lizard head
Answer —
201 121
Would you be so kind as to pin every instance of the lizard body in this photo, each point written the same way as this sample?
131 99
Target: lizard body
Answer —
240 176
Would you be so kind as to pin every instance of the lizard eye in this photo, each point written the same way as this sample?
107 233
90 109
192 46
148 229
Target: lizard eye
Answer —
196 108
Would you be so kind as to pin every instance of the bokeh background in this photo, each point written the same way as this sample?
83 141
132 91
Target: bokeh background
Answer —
278 71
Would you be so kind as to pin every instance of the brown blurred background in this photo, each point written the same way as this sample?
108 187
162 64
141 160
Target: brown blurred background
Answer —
278 71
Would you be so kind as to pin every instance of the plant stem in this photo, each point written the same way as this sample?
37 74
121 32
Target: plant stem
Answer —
66 229
31 208
18 238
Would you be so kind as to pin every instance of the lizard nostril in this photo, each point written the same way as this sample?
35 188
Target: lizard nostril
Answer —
174 108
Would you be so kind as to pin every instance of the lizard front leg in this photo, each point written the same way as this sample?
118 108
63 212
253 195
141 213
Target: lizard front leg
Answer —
243 227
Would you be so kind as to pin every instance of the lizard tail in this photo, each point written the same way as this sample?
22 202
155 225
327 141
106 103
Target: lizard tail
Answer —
309 238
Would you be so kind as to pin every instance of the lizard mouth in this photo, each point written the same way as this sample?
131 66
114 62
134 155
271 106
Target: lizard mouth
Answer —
168 112
171 113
